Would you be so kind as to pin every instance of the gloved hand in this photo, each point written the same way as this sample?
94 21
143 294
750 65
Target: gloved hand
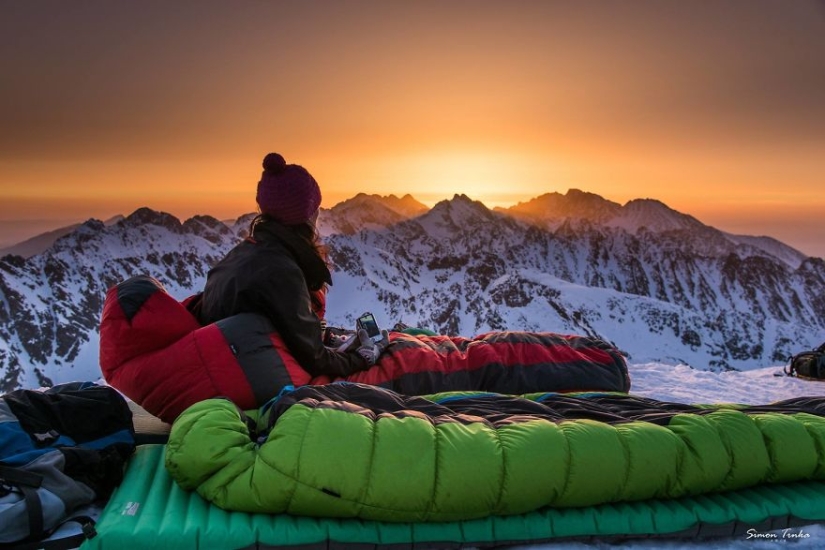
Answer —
341 341
370 350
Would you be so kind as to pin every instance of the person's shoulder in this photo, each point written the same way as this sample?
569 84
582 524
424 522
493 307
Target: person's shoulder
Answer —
272 258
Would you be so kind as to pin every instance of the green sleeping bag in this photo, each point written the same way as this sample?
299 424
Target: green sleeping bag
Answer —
350 450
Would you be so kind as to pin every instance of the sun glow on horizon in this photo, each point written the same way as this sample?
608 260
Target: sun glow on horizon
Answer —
491 201
493 177
715 110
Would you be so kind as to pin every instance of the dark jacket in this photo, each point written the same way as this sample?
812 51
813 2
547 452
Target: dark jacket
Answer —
271 273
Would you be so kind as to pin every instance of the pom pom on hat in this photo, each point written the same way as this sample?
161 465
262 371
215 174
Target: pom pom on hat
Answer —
274 163
287 192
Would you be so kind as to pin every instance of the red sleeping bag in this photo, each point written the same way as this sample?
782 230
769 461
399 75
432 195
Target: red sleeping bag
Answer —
154 351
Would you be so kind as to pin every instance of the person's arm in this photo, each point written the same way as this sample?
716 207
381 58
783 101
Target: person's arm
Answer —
287 304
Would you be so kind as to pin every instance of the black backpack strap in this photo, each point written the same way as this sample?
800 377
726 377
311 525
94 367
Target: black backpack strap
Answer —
790 370
34 510
87 531
69 542
27 483
819 365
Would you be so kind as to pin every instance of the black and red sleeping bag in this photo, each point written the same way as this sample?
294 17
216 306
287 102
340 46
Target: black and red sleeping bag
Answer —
154 351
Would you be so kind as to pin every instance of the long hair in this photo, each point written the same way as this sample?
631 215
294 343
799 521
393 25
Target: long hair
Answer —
308 233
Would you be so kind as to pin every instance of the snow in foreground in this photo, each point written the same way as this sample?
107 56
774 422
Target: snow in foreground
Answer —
683 384
686 385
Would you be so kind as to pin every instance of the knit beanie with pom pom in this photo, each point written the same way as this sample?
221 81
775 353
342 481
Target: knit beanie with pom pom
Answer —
287 192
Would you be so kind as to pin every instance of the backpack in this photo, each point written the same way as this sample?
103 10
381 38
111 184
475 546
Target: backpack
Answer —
808 364
60 449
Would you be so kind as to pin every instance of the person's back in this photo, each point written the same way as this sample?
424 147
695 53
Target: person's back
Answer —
274 271
259 265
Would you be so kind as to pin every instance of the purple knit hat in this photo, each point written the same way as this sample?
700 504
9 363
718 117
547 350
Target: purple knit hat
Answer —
287 192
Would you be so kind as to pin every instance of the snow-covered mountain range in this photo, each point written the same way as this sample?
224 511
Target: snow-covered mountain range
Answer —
659 284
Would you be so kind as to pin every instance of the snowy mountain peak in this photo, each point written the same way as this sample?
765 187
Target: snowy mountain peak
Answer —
409 204
458 209
554 210
367 212
201 220
588 205
145 215
208 227
461 202
653 215
89 226
771 246
40 243
462 221
551 210
405 206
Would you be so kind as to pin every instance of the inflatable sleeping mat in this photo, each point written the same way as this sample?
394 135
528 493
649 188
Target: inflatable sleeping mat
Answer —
149 510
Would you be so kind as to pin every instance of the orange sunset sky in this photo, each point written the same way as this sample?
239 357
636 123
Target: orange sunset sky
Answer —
715 108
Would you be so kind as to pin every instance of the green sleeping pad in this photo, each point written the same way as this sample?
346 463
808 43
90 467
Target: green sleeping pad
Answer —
150 511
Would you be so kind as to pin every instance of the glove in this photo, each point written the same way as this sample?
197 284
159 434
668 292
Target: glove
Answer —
341 340
370 350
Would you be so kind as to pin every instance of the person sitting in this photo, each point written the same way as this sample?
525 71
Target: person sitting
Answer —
280 271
